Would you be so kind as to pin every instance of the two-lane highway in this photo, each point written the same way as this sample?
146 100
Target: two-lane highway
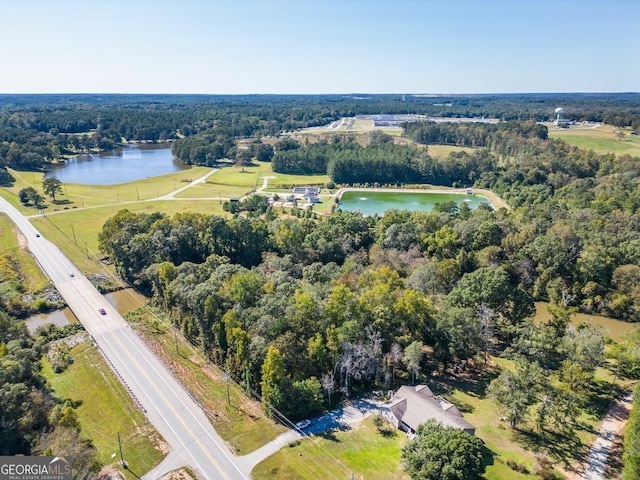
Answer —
165 402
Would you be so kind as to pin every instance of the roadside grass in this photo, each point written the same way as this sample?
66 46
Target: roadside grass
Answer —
240 421
601 139
31 277
362 450
104 409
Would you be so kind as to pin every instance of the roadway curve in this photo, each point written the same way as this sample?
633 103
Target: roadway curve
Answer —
164 401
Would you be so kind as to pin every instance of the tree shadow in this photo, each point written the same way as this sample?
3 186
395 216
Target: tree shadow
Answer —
388 433
565 447
600 396
329 435
472 381
488 456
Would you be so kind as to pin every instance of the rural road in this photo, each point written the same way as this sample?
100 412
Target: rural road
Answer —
164 401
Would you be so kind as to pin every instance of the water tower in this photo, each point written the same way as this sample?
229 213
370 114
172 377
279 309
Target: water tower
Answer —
559 112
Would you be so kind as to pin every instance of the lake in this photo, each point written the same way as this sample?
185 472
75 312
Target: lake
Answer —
369 202
124 164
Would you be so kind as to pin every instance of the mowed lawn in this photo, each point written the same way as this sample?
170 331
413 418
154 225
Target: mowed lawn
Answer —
362 450
105 409
601 139
234 182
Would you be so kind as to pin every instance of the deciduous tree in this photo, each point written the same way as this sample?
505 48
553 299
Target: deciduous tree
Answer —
443 453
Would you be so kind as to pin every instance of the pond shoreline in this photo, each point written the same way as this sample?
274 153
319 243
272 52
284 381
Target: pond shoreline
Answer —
494 200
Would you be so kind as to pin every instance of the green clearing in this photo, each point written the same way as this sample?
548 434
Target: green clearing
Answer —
445 150
13 243
601 139
229 182
361 450
104 409
241 422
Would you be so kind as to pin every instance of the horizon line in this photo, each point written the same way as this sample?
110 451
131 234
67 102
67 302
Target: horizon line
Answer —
419 94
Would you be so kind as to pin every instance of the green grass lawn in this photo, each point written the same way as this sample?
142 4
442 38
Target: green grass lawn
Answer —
241 422
602 139
231 182
363 451
105 409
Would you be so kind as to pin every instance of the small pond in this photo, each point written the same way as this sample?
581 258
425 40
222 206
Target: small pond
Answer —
370 202
123 300
124 164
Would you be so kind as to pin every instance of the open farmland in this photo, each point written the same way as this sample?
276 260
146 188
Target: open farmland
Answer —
599 138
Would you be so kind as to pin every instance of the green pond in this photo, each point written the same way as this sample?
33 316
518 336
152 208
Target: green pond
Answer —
370 202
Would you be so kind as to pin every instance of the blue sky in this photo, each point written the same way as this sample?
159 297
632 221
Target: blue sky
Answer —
319 46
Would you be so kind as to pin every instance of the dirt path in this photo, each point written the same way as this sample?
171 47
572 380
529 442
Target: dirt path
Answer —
614 421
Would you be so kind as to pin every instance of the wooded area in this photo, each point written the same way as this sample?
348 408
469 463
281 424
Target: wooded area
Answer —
309 311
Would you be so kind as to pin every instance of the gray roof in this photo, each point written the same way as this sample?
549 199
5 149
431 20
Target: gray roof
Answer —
415 405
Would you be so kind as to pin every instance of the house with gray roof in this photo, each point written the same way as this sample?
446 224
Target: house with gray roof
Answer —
411 406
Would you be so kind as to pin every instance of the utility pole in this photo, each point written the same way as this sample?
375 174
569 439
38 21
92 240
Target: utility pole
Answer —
175 341
122 462
74 234
226 379
137 194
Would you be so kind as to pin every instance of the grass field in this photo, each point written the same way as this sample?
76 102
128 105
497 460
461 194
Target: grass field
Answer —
104 409
230 182
32 278
241 422
602 139
79 196
445 150
362 451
